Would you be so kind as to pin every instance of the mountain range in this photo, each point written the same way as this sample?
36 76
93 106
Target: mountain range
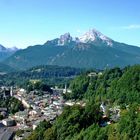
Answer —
91 50
6 52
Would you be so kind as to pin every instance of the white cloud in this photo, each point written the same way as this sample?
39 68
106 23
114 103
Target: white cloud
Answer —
132 26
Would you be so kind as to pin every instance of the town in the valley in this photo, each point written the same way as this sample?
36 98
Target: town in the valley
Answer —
38 107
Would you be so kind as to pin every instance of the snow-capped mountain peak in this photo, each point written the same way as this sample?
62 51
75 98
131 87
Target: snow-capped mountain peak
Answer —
14 49
93 35
5 49
64 39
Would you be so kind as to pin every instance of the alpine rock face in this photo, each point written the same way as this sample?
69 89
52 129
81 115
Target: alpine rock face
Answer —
65 39
91 50
94 35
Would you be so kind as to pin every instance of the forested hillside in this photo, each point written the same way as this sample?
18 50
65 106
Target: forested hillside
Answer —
115 88
5 68
50 74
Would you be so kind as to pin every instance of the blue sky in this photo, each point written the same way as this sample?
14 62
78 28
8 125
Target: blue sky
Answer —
30 22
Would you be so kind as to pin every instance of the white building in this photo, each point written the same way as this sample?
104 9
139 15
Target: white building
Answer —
8 122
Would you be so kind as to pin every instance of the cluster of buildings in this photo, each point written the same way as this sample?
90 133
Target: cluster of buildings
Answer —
6 133
37 108
109 114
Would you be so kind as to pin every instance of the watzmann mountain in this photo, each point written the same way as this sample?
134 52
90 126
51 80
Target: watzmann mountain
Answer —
92 50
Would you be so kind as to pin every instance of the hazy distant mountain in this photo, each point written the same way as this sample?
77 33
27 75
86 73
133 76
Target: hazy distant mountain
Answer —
6 52
93 49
